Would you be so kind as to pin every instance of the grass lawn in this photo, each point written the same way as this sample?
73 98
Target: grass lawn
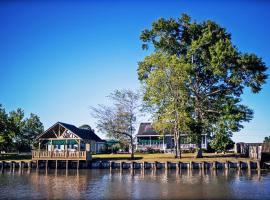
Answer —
160 157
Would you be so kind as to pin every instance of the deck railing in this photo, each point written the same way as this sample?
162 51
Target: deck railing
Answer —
61 155
157 146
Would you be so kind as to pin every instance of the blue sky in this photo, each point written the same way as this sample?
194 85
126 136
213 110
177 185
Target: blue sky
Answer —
59 58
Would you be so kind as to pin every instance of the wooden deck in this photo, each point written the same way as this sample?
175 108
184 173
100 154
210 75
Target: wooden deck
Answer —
61 155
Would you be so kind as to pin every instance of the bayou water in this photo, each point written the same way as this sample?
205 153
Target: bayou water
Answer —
134 184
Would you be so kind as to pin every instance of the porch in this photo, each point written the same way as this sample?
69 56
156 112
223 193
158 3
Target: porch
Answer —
61 155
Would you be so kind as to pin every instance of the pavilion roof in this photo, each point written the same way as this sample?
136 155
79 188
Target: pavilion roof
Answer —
85 134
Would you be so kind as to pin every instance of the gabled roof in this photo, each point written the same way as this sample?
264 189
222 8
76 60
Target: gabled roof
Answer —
146 129
86 134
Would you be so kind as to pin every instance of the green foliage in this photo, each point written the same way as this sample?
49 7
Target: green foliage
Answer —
16 132
221 142
195 77
267 139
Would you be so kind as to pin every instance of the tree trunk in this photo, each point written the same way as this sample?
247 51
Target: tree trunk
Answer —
199 150
177 149
176 142
132 148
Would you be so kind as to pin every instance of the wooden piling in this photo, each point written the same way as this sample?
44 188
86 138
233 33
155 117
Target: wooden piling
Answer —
203 165
249 165
258 165
37 164
239 164
78 164
143 164
226 164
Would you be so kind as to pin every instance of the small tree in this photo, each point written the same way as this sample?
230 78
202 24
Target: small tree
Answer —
221 142
118 120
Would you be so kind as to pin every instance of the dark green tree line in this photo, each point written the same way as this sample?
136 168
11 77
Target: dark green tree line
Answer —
18 133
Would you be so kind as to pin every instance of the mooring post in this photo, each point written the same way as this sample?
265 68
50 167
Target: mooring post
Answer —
226 164
155 165
110 165
203 165
177 165
132 165
66 164
249 165
239 164
78 164
47 164
258 165
56 164
2 166
121 165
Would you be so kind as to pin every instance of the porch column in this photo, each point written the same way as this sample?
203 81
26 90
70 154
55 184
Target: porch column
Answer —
79 147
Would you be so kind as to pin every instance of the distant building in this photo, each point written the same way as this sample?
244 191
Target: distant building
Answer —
147 137
66 141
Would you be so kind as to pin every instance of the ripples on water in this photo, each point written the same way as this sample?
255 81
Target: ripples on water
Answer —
137 184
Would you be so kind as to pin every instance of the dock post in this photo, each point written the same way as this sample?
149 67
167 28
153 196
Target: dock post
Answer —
155 165
56 164
78 164
214 165
226 165
46 164
37 164
203 165
2 166
177 165
13 164
20 166
121 165
66 164
239 165
110 165
200 165
258 165
249 165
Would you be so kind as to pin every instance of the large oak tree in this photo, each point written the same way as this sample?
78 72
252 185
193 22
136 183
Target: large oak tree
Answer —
195 77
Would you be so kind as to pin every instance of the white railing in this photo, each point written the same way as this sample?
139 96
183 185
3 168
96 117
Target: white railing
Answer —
154 146
60 155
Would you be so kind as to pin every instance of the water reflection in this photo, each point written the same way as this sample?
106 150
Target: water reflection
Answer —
135 184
